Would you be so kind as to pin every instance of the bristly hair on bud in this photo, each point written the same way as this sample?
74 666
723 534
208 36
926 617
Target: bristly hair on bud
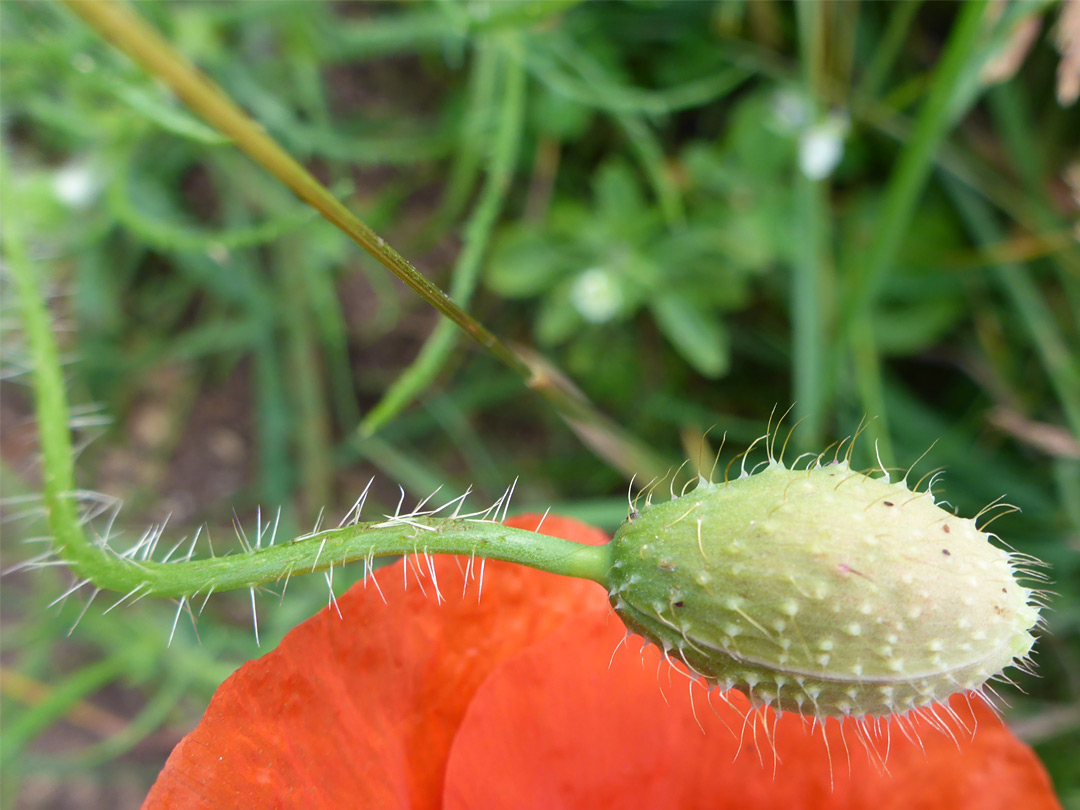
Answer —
823 590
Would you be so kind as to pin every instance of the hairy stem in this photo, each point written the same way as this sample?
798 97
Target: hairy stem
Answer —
360 542
58 473
107 569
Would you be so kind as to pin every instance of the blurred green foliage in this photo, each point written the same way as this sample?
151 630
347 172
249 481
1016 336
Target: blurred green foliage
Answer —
705 209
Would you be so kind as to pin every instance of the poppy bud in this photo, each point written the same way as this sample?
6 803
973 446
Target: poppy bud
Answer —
822 591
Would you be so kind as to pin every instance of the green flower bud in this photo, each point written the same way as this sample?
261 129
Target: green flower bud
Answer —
822 591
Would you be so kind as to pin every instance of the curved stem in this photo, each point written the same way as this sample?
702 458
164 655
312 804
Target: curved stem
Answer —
57 463
107 569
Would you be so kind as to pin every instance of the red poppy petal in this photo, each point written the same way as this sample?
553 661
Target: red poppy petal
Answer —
360 711
556 728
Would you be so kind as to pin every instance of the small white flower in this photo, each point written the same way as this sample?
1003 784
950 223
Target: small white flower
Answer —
596 295
822 146
76 184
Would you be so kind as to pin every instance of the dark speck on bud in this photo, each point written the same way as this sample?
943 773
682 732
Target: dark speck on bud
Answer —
798 588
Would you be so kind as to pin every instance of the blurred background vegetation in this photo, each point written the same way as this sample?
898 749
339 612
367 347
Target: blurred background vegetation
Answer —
697 211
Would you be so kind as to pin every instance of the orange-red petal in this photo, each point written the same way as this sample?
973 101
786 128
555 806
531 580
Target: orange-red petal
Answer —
557 728
360 711
510 703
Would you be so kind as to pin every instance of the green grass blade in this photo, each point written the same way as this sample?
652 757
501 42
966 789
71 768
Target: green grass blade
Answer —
1059 361
901 196
436 350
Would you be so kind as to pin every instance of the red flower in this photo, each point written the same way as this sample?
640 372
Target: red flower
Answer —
509 702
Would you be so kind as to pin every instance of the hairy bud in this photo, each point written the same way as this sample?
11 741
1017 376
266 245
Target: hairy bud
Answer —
822 591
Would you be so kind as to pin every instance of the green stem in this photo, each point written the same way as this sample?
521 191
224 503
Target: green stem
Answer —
811 378
917 158
888 48
902 194
143 44
107 569
149 719
356 543
1035 316
57 469
302 364
504 155
811 375
480 112
21 729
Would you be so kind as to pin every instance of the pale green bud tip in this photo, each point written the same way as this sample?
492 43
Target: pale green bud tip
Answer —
823 591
